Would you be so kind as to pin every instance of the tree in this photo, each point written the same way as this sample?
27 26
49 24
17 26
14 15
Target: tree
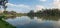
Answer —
3 4
31 13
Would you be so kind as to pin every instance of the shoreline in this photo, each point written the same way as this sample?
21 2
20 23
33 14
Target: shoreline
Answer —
4 24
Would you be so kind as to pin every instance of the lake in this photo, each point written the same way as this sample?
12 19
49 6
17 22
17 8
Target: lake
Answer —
34 22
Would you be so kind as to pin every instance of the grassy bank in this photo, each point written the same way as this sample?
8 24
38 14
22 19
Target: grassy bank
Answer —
13 15
4 24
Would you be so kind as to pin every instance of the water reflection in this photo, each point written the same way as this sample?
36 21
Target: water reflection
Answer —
56 18
12 17
34 22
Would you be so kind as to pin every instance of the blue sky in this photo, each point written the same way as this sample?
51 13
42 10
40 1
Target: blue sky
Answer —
24 6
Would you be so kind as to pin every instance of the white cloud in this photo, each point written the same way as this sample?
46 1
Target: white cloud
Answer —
9 4
43 0
56 4
39 7
19 6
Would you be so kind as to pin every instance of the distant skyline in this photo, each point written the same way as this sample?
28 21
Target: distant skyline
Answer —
24 6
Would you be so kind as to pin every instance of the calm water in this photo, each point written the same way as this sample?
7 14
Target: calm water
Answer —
33 22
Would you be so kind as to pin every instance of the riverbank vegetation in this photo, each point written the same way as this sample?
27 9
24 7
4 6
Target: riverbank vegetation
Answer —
4 24
45 12
8 14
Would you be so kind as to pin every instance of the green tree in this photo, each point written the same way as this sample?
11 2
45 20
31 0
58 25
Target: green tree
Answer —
3 4
31 13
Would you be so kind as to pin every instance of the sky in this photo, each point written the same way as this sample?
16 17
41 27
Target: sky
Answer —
24 6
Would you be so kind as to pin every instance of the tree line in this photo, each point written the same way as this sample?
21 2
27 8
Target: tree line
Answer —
45 12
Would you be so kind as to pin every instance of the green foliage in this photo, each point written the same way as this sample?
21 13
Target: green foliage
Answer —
31 13
45 12
3 4
4 24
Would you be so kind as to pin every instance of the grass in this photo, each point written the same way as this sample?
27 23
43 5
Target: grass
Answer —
4 24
